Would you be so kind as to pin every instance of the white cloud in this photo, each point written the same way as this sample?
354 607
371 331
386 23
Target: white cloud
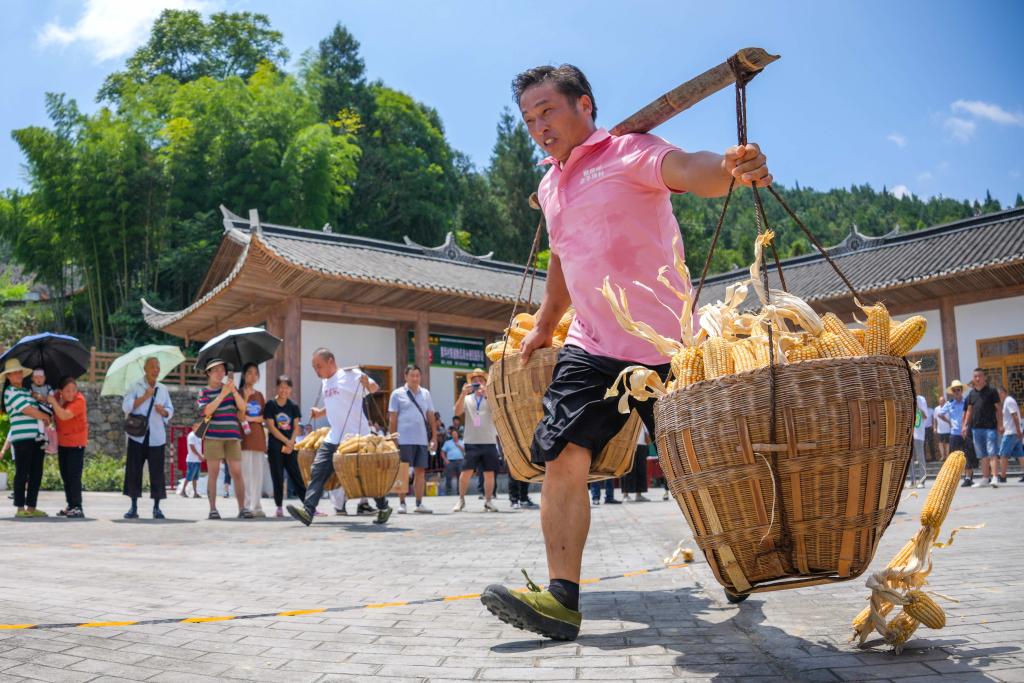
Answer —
897 139
989 111
959 129
924 176
113 28
900 191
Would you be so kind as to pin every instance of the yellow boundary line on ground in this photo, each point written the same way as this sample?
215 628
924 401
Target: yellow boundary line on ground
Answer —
302 612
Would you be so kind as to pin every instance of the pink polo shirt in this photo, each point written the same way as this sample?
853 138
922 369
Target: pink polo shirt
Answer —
608 213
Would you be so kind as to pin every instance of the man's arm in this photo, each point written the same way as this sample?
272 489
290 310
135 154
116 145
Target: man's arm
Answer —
556 303
707 174
967 422
393 422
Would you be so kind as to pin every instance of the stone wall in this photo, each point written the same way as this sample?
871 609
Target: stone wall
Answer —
106 435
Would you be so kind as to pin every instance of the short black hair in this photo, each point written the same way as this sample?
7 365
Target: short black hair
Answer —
324 353
982 371
284 379
64 381
566 78
412 366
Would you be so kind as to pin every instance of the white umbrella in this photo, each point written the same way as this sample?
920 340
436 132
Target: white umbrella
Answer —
128 369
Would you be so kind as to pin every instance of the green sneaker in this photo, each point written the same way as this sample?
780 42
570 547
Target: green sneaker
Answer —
38 513
22 513
300 513
536 610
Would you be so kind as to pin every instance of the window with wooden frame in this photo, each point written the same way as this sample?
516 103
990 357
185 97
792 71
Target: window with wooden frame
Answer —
1002 358
376 405
929 380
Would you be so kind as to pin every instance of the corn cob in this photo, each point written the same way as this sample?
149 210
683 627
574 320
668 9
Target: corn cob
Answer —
806 349
830 346
688 366
565 322
858 334
876 331
936 506
524 320
901 629
906 335
717 359
920 606
847 341
862 622
761 354
742 357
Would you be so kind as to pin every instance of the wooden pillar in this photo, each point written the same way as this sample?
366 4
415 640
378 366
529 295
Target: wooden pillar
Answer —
275 366
950 351
401 351
290 353
423 348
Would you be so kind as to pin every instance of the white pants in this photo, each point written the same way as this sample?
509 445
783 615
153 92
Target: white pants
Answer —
252 475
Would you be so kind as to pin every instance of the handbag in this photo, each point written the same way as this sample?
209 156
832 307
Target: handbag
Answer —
137 425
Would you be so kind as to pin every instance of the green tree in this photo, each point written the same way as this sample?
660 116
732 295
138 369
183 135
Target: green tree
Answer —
513 176
184 47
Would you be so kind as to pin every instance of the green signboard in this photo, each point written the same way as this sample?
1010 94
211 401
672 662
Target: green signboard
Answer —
450 351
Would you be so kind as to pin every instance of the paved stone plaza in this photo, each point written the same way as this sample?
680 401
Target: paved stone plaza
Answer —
669 624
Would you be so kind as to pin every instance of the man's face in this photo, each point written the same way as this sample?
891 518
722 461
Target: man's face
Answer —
958 393
412 378
555 123
979 379
152 369
324 367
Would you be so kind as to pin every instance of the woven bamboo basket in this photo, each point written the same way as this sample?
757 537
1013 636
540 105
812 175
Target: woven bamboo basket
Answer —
367 475
306 468
809 508
517 392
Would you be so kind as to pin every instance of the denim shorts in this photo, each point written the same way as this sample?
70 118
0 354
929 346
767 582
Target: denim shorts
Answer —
985 442
1011 447
417 456
192 471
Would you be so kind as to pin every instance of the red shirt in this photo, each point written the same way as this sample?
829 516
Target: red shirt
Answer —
74 431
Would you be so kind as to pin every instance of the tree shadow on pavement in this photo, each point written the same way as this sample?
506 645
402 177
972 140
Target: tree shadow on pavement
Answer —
714 639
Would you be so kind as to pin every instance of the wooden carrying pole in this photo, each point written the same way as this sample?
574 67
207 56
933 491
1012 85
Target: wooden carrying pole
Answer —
751 59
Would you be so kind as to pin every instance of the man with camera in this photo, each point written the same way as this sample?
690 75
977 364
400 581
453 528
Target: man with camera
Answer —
479 437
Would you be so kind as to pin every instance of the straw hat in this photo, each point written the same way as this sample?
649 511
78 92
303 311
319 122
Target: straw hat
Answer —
214 362
13 365
477 372
955 385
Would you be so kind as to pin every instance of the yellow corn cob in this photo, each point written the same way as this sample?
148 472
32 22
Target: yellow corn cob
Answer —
830 346
858 334
688 366
564 323
761 354
862 622
901 628
847 341
920 606
524 320
936 506
717 359
906 335
876 331
742 357
805 350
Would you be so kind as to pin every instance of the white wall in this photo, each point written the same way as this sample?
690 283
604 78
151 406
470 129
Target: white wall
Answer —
442 390
351 345
985 320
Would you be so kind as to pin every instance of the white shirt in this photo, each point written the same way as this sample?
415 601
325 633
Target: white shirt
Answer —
479 427
1010 408
343 393
927 415
919 419
157 423
194 445
941 426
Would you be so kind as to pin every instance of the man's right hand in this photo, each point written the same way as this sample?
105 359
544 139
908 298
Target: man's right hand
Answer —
149 392
536 338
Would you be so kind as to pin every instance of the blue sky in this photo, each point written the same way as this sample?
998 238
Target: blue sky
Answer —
922 97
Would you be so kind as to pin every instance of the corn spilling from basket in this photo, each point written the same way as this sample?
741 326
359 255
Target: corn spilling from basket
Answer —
370 443
900 583
730 340
521 326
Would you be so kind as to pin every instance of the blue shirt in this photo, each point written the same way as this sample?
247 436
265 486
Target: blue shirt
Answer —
412 423
157 423
452 450
954 411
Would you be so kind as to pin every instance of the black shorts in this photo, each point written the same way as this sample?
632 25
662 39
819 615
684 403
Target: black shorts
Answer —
484 455
416 456
959 443
575 408
944 438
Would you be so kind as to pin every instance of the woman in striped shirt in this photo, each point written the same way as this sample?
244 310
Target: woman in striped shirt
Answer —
25 417
223 408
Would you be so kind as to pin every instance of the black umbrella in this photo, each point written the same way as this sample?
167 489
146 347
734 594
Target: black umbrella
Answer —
59 355
238 347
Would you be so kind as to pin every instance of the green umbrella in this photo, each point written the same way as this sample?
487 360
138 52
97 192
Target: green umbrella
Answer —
128 369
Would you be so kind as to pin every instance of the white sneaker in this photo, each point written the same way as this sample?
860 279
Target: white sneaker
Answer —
982 484
460 506
424 510
920 485
516 506
665 496
490 507
401 509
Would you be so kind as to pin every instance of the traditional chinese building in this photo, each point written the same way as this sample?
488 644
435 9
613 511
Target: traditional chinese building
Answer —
376 304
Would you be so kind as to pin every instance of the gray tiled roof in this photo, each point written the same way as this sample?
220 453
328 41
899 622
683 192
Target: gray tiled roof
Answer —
899 259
